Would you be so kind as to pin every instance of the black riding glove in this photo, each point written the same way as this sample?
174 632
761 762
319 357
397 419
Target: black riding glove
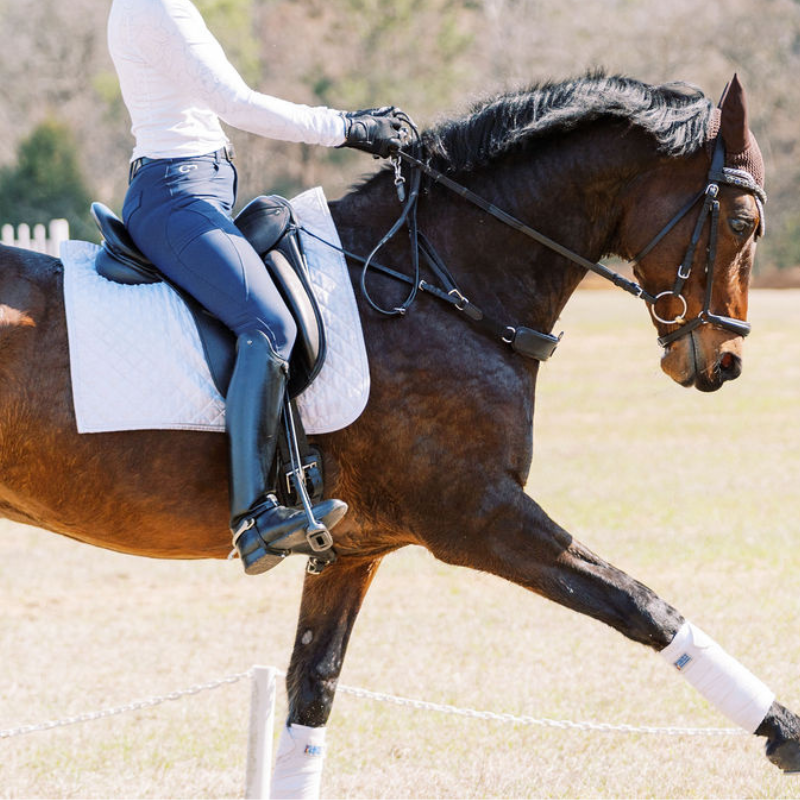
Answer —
374 130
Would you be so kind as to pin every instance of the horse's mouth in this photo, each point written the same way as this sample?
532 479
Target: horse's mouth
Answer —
686 362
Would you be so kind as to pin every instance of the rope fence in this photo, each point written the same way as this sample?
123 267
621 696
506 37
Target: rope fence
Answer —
511 719
365 694
262 719
136 705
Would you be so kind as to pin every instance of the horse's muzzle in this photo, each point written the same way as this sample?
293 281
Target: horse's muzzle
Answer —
704 365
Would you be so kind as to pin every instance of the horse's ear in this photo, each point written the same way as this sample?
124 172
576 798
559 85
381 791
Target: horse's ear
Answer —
733 122
724 94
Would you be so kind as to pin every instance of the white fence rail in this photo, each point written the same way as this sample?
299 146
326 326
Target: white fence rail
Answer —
44 239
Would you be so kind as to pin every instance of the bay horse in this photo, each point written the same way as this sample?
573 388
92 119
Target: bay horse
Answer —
440 457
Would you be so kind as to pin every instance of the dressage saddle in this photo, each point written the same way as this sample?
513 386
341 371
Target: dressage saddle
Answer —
268 223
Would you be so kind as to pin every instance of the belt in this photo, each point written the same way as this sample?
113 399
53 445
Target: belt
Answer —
226 152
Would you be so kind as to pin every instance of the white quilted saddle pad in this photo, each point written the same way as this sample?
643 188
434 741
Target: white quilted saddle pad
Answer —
137 361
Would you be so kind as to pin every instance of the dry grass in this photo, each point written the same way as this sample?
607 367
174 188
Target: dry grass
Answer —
696 495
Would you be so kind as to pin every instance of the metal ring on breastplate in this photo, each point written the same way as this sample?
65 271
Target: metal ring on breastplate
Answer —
678 318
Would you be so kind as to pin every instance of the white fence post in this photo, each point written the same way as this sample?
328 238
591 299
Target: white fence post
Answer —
39 241
262 724
46 239
24 236
59 232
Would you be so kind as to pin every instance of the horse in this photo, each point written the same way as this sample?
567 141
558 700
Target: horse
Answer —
603 165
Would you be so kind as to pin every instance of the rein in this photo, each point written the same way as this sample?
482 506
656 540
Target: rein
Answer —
710 209
529 342
609 274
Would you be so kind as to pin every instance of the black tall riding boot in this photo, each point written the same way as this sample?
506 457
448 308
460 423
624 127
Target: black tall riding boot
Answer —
264 532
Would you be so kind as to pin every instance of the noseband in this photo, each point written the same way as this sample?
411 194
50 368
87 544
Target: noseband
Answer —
710 209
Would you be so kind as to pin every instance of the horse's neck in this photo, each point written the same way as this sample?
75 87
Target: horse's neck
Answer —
569 194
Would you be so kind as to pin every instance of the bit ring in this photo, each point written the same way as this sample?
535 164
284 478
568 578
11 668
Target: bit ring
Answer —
679 318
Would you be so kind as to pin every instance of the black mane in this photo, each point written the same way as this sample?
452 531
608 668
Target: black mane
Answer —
676 115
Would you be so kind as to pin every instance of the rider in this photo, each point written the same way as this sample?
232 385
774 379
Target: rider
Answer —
177 84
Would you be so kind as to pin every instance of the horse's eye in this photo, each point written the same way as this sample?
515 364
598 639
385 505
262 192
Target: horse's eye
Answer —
740 226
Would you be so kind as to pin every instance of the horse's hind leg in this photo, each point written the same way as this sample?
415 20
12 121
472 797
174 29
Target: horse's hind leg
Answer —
330 605
525 546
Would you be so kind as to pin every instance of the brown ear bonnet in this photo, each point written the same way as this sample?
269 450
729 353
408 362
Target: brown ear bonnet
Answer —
742 153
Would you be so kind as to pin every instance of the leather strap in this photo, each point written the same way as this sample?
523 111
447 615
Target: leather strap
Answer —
618 280
527 342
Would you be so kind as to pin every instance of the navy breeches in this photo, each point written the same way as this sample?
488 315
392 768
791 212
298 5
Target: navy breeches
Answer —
178 211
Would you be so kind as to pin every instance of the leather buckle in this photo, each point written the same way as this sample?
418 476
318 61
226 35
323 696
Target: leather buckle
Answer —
306 470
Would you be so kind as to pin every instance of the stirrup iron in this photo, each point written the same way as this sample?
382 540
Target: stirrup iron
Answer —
318 536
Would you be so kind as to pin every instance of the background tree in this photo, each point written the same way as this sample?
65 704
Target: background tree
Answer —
351 54
431 57
46 182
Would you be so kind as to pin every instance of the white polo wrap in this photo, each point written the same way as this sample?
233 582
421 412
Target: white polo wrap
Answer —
719 677
298 765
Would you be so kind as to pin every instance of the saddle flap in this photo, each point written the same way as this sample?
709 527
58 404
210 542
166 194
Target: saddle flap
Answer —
309 349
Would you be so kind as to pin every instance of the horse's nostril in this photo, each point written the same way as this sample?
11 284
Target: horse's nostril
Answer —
730 366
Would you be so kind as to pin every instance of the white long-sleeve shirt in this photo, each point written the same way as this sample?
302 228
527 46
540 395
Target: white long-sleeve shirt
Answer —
177 84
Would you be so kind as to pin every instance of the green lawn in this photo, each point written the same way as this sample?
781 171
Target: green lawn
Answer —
695 495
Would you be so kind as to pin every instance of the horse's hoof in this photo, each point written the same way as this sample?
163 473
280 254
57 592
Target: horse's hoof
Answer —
785 756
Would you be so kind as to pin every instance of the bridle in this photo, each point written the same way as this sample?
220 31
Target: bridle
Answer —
528 341
709 210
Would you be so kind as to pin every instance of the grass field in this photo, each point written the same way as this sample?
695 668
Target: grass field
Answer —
696 495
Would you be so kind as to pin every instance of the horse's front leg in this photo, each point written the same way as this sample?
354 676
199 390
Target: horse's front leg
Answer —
525 546
331 602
